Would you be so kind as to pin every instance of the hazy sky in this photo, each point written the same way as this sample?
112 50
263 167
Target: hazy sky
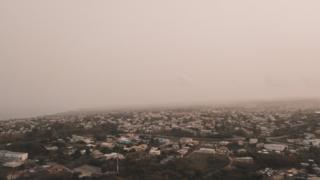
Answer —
66 54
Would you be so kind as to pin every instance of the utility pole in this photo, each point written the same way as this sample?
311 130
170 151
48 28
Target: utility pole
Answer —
117 164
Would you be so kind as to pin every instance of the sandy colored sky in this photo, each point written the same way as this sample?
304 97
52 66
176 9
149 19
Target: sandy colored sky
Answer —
68 54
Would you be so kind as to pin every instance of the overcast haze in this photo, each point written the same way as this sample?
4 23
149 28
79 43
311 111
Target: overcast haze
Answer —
67 54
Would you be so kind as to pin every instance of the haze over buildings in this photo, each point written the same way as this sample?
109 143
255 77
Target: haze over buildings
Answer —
63 55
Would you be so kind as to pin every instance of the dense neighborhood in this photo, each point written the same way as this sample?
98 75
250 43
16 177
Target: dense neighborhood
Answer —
265 141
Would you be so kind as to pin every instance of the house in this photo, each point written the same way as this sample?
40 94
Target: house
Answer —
253 141
267 172
13 164
7 156
70 150
188 141
108 145
243 160
223 150
175 146
275 147
53 168
260 145
97 154
154 151
163 141
87 171
138 148
183 151
86 140
240 143
114 156
224 143
83 151
51 148
124 140
241 151
205 151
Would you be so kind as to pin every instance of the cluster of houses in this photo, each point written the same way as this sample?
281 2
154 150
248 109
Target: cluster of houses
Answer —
170 135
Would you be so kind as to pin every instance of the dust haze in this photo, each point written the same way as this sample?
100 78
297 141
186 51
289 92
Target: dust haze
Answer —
63 55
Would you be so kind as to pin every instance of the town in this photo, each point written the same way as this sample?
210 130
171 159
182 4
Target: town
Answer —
251 141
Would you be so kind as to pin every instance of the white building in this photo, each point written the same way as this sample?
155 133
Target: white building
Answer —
114 156
244 160
206 151
275 147
107 145
253 141
155 151
7 156
86 140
